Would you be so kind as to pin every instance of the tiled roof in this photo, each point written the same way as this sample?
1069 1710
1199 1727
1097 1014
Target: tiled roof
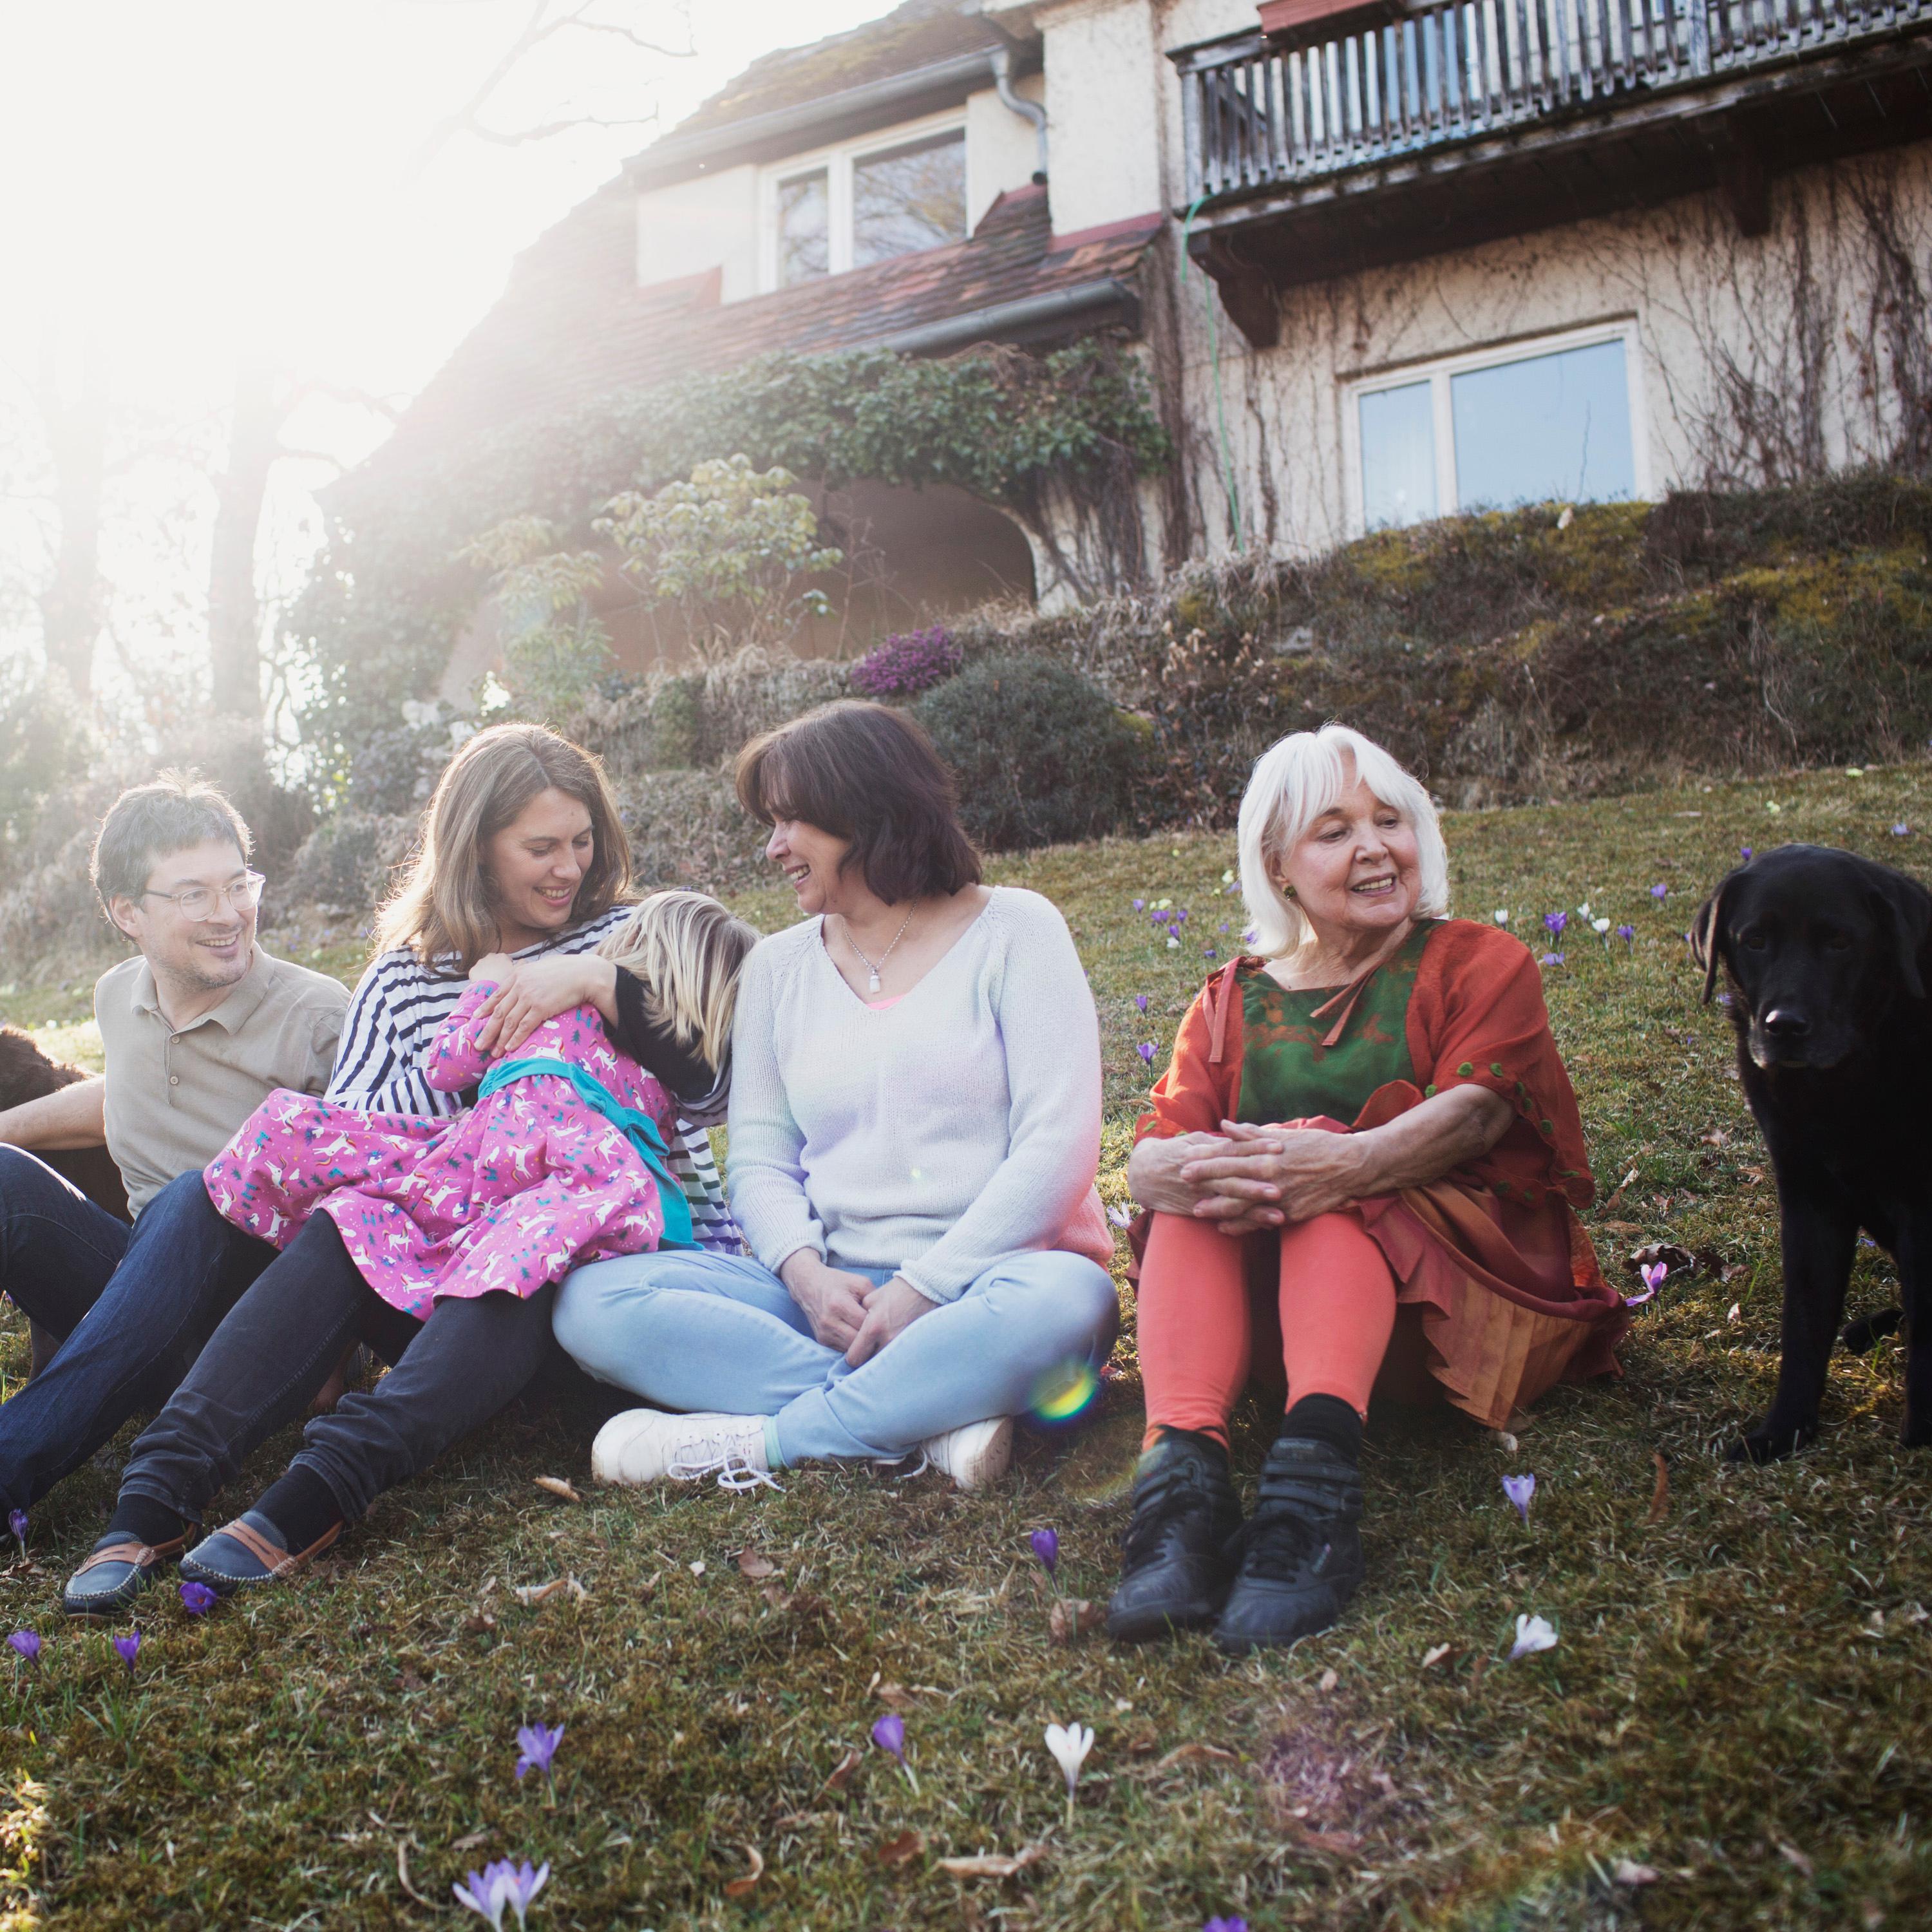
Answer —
572 325
913 35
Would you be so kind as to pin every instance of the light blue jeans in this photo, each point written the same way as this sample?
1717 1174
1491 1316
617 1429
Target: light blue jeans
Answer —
690 1330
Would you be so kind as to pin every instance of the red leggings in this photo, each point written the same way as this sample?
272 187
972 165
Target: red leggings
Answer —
1337 1302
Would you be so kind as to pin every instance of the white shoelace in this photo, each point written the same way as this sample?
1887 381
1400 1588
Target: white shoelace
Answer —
712 1455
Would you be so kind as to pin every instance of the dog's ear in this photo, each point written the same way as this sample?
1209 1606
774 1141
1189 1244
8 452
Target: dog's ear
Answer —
1908 906
1706 929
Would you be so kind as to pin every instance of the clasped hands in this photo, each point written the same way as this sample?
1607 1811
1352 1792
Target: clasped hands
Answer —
1247 1177
532 991
850 1311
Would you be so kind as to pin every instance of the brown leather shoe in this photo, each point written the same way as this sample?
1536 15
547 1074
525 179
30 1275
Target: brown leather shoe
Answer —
244 1554
118 1572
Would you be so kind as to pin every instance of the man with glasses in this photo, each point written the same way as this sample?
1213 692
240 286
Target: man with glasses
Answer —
197 1030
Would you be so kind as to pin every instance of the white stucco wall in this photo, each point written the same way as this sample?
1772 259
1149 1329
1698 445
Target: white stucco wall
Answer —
691 226
1104 76
1001 147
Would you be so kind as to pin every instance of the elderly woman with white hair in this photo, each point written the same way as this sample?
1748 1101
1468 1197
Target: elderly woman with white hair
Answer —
1365 1135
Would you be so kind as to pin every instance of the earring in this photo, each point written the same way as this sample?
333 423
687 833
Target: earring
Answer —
1288 892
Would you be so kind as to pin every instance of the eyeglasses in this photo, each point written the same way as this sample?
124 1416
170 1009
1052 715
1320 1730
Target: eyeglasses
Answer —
200 902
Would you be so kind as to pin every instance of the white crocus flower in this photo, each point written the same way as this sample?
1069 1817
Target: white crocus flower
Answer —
1532 1634
1501 915
1069 1744
1599 926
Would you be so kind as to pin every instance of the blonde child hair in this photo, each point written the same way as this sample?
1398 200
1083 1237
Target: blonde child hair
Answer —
687 951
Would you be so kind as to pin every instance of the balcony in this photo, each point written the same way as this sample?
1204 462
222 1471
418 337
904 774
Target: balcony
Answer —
1443 125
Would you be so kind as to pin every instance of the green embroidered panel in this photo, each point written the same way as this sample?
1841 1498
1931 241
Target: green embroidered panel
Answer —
1287 1074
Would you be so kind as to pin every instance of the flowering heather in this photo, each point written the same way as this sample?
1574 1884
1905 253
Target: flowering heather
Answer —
905 665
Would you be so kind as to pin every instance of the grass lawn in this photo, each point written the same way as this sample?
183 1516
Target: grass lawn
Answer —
1735 1701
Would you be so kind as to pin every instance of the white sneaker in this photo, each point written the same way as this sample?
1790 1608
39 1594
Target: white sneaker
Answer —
646 1445
978 1454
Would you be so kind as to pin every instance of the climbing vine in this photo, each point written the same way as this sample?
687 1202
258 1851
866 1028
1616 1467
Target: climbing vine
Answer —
1059 440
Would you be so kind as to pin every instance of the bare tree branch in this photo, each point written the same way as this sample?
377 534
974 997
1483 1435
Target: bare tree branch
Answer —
539 28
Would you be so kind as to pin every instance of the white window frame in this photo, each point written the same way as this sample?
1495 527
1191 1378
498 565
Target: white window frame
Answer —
838 164
1437 372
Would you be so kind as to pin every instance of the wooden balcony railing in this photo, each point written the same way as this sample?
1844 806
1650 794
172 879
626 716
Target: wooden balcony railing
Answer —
1258 116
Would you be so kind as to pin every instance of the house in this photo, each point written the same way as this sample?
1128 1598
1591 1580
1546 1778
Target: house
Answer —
1383 260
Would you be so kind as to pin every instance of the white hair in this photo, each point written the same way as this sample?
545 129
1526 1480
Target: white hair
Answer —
1294 782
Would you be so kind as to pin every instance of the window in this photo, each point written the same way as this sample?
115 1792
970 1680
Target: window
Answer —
1529 424
865 203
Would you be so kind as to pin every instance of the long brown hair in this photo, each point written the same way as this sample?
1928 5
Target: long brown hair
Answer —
445 911
867 773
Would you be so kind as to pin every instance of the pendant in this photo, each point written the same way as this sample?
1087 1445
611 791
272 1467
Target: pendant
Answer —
873 983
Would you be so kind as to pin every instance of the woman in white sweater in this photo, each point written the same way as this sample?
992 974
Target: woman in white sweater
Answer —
915 1124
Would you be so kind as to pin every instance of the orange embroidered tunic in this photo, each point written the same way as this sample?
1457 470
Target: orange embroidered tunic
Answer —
1490 1260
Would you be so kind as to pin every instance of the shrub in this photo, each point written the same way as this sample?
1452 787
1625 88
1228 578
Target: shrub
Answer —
908 665
1041 754
688 828
348 862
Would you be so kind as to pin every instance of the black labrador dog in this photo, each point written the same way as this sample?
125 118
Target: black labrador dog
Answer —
1828 957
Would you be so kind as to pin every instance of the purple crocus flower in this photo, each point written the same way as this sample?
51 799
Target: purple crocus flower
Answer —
1743 853
1552 959
1140 1003
1553 922
1226 1925
1046 1546
1901 830
521 1884
1180 917
1660 890
1146 1051
889 1734
1119 1217
16 1521
1628 934
537 1744
1140 905
1208 952
1652 1276
1520 1489
197 1599
127 1649
502 1884
26 1644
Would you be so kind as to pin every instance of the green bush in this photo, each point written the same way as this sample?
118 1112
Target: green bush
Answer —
1042 755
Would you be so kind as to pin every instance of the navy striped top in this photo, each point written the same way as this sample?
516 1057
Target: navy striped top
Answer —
398 1005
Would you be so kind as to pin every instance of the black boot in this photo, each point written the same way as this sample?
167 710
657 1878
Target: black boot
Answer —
1175 1560
1301 1555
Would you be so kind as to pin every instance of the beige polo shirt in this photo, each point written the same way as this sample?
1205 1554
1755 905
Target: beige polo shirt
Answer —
174 1098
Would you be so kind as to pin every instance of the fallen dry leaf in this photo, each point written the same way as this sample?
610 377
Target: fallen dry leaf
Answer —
696 1569
1618 1194
1476 1669
1505 1440
1793 1856
1182 1752
557 1486
1730 1272
1753 1176
1659 1494
470 1844
1672 1257
529 1595
477 1622
412 1678
894 1697
841 1775
1071 1617
1329 1680
902 1850
1142 1742
751 1564
993 1865
1627 1872
1620 1227
1434 1654
779 1599
736 1887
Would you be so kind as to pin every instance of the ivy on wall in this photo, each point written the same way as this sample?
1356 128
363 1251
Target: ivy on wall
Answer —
1054 440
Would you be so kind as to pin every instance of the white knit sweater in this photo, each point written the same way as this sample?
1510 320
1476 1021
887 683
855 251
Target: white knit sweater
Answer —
937 1135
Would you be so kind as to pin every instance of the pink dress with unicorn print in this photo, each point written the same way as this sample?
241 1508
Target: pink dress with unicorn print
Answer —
530 1183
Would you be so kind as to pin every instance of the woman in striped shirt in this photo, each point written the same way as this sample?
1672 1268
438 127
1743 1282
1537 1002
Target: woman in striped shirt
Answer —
522 852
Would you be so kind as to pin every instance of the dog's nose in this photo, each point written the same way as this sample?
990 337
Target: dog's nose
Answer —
1786 1023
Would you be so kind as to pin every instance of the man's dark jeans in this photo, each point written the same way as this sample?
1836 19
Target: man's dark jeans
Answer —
133 1307
470 1359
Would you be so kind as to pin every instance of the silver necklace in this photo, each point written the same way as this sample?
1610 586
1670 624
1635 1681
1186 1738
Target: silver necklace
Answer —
872 984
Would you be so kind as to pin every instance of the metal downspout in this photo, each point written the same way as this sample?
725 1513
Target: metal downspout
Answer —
1027 110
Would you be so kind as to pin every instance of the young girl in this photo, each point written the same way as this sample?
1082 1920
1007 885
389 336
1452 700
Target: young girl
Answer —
561 1160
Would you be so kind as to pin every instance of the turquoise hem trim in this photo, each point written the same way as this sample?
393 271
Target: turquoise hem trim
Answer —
641 1129
774 1455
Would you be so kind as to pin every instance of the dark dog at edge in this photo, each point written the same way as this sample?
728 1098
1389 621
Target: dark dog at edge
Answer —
27 1074
1828 957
